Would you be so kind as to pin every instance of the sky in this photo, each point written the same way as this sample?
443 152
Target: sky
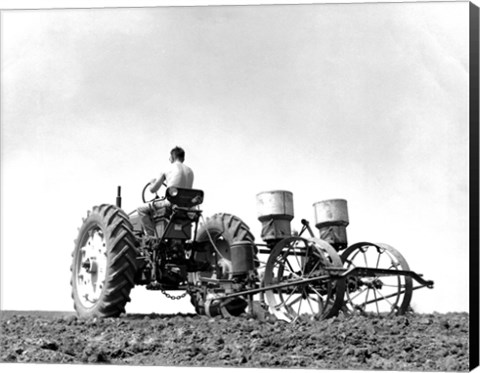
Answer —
365 102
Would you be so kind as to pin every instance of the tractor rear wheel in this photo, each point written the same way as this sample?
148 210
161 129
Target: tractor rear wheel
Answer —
104 263
223 230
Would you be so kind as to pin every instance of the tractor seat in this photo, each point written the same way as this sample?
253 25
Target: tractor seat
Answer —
183 197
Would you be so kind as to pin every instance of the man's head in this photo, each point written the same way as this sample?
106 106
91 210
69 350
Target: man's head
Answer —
177 154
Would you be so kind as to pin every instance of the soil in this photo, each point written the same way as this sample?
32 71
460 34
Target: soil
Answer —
416 342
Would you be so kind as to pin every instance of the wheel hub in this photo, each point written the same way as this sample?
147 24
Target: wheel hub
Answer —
90 265
369 282
91 270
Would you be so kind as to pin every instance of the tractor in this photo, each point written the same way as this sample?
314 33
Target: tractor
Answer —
216 262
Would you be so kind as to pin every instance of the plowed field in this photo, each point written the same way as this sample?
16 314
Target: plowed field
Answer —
414 342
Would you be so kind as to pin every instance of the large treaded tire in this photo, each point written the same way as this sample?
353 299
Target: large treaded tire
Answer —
232 228
107 234
225 229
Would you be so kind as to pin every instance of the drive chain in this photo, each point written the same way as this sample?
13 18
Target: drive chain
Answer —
174 297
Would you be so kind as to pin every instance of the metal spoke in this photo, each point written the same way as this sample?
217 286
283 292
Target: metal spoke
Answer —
314 290
305 260
283 302
352 259
299 298
378 259
321 304
315 267
366 299
296 257
310 304
386 298
286 261
299 305
290 270
376 302
365 257
360 293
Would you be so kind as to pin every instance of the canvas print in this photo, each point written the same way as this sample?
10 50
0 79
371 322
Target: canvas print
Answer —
256 186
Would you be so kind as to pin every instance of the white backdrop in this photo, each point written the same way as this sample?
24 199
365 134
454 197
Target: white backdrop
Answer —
367 102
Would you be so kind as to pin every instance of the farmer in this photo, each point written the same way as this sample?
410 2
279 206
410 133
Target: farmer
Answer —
176 175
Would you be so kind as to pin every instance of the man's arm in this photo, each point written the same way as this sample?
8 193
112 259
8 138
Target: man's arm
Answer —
155 184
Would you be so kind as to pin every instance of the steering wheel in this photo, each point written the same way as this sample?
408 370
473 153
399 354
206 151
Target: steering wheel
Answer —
143 194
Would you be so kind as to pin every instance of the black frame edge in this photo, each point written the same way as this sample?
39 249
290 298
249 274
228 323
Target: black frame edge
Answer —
474 185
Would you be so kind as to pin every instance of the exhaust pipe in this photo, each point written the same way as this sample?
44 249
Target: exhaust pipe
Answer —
119 197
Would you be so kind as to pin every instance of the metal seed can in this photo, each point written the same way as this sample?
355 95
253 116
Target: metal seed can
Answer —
277 203
331 212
